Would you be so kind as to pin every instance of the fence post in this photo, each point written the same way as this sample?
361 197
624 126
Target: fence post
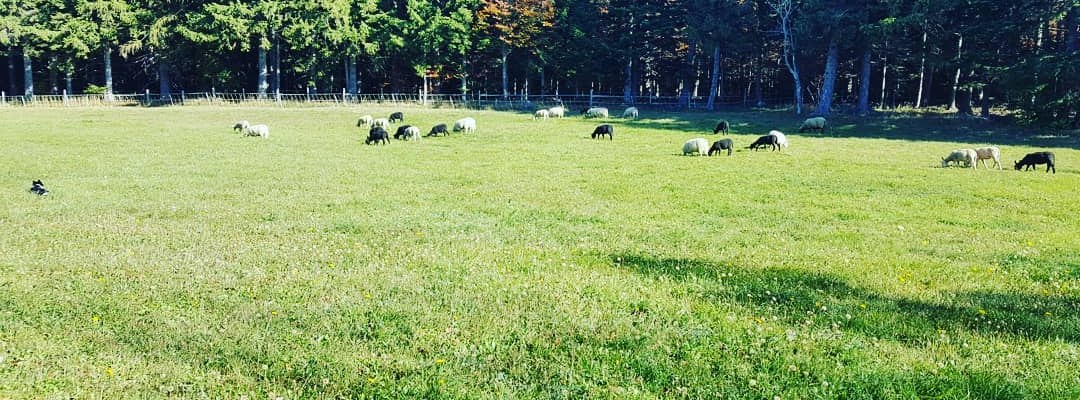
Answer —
213 94
147 97
590 97
182 97
3 97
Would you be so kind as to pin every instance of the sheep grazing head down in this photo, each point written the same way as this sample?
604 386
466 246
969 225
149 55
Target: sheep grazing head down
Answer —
240 126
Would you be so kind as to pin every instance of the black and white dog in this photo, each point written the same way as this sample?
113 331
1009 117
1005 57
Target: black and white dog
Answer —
38 188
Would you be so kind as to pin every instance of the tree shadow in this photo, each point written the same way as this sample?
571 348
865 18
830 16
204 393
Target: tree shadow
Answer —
801 297
882 125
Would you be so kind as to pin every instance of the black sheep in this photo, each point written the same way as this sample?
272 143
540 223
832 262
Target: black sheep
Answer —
377 134
38 188
1032 159
400 134
398 116
767 140
437 129
720 145
721 126
605 129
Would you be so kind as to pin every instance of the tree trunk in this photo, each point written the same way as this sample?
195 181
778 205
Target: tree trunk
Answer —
964 97
277 64
956 79
684 92
28 76
864 84
12 88
884 75
828 86
922 71
1072 30
107 58
67 82
628 85
543 83
714 78
262 83
350 75
464 77
928 91
984 103
164 85
505 79
54 79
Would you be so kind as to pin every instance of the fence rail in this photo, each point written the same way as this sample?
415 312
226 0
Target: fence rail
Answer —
472 100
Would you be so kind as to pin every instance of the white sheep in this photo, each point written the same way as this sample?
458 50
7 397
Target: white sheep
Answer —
381 122
541 114
557 112
630 112
595 112
966 156
257 130
989 152
365 120
412 133
813 124
780 138
465 125
240 126
698 146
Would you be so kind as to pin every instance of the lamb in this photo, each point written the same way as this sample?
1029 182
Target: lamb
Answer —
364 120
602 130
38 188
240 126
630 112
397 116
989 152
377 134
720 145
407 132
1033 159
721 126
595 112
437 129
381 122
813 124
541 114
557 112
781 140
257 130
465 125
966 156
767 140
698 146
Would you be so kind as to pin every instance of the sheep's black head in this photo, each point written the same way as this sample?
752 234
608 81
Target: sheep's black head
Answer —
1016 165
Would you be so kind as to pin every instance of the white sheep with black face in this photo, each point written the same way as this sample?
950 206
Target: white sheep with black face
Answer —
241 125
966 156
465 125
257 130
781 140
381 122
365 120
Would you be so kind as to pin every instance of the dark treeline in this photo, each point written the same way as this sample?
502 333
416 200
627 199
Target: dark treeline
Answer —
966 55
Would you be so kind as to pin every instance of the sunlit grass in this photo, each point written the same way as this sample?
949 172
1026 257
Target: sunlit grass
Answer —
176 258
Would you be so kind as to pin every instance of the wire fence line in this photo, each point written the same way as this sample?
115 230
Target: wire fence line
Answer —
477 100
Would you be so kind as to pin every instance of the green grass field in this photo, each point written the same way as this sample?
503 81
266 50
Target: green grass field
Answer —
175 258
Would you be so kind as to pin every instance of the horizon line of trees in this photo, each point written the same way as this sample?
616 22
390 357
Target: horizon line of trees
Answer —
1021 55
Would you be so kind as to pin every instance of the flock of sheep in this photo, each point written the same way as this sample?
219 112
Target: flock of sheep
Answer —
775 140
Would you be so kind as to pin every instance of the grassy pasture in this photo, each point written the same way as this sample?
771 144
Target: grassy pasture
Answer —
175 258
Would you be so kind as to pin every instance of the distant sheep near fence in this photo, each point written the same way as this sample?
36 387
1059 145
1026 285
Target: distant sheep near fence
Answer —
814 124
721 126
557 112
630 113
541 114
595 112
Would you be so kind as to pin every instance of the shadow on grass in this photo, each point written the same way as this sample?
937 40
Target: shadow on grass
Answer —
884 125
800 297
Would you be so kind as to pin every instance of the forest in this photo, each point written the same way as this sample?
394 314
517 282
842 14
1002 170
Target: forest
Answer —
971 57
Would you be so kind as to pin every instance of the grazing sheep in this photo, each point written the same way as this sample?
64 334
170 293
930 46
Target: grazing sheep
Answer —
240 126
602 130
698 146
781 140
989 152
257 130
38 188
557 111
437 129
377 134
966 156
595 112
413 133
721 126
402 132
381 122
365 120
721 145
767 140
465 125
1033 159
813 124
541 114
630 112
397 116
